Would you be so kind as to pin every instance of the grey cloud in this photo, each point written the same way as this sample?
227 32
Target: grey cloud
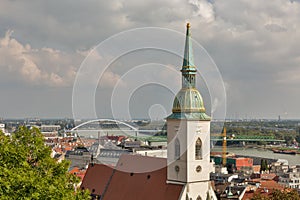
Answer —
254 43
44 66
275 28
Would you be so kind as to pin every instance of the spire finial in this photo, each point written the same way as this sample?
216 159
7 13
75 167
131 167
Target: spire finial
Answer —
188 25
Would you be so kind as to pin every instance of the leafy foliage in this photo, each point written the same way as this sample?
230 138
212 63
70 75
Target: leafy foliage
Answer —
298 138
279 195
263 165
27 170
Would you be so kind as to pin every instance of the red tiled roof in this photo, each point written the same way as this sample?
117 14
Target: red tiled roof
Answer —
140 164
145 186
74 170
68 148
141 177
250 195
96 178
79 173
268 176
271 176
270 185
135 178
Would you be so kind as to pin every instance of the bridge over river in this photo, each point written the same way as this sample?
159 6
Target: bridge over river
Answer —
255 138
124 128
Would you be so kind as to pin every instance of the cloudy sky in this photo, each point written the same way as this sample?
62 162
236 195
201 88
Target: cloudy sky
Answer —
255 45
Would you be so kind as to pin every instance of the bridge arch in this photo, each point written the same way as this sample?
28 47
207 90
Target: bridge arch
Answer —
104 120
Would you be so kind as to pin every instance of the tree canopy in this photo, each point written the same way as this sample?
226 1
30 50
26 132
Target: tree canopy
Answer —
279 195
27 170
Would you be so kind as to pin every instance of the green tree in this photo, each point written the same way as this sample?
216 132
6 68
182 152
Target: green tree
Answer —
279 195
298 138
263 165
27 170
286 194
288 139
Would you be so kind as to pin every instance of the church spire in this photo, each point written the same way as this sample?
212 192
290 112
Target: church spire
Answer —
188 102
188 67
188 59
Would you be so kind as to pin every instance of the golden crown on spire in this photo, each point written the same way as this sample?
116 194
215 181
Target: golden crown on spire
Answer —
188 25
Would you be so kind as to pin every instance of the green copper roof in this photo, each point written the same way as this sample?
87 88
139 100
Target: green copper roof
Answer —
188 103
188 59
188 100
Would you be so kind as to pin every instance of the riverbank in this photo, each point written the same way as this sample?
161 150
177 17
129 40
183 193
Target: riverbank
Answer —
275 149
261 152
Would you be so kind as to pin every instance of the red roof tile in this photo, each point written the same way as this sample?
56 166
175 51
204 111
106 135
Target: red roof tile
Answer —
74 170
140 164
145 186
270 185
79 173
135 178
96 178
268 176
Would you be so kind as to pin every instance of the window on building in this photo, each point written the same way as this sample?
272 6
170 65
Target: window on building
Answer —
198 149
177 149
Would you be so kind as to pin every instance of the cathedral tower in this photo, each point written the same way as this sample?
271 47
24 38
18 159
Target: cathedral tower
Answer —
188 129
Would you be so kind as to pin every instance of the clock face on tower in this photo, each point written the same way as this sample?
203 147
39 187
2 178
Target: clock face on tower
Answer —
198 168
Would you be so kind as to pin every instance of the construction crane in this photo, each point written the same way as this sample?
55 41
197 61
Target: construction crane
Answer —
224 148
80 143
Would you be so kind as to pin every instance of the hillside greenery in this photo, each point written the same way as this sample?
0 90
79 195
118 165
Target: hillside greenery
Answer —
27 170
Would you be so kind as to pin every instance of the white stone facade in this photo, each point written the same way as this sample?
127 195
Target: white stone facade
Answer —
190 168
291 179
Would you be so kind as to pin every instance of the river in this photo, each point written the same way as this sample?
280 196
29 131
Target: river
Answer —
292 159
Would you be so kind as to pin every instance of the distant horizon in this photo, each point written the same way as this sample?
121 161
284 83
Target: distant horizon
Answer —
148 119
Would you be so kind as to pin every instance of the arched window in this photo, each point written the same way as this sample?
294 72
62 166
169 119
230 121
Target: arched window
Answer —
198 149
177 149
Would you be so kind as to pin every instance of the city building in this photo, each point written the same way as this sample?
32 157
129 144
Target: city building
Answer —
291 179
80 157
161 153
280 167
50 131
236 163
